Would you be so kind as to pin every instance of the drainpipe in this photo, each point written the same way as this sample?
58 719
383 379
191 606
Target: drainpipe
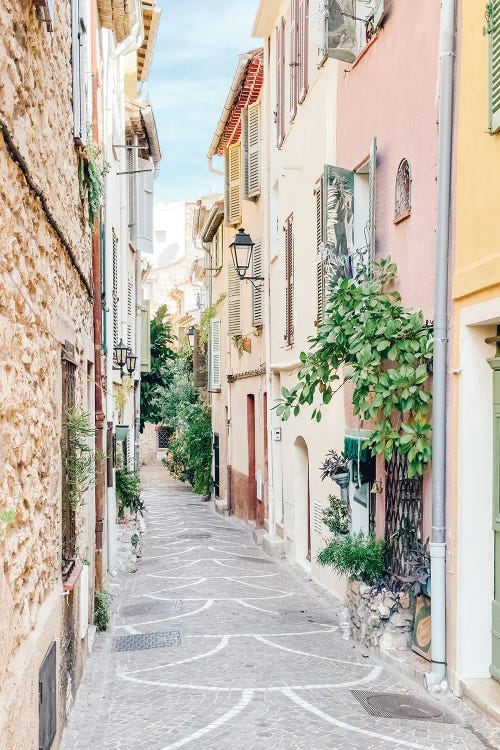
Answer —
134 40
438 543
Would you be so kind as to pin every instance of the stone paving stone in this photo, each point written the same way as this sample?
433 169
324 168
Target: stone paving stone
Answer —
258 665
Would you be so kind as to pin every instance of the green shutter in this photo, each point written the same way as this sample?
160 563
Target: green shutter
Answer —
338 200
493 29
145 337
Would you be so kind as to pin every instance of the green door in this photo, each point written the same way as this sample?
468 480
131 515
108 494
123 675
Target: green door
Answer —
495 625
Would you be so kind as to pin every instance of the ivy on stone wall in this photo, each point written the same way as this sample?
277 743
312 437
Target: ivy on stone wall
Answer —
369 339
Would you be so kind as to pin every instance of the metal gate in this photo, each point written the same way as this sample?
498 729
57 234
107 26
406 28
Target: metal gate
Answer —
403 514
47 700
68 513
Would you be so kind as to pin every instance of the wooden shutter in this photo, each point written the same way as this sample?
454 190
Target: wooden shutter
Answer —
280 83
341 39
253 135
257 291
493 28
130 309
145 209
289 329
233 301
303 48
294 53
320 275
115 288
47 10
232 207
79 68
215 355
372 202
145 337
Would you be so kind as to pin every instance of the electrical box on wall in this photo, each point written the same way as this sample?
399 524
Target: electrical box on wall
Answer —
277 433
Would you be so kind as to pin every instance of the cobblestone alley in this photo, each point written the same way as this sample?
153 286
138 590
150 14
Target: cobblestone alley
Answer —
215 645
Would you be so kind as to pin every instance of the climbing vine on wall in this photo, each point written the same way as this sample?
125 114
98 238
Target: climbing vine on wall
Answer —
368 338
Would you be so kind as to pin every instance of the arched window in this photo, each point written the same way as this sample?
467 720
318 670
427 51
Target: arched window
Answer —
402 202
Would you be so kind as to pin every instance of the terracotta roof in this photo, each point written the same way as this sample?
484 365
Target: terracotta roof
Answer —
245 90
151 18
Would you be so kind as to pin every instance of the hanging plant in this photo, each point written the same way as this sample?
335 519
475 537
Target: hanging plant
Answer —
79 456
206 318
368 338
92 169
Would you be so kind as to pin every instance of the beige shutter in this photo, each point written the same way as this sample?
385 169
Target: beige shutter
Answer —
145 337
294 52
280 83
130 309
215 355
233 301
303 50
320 268
253 139
232 208
289 328
258 290
115 288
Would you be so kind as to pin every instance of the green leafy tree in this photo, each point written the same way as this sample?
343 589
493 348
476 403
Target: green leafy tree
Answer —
368 338
162 357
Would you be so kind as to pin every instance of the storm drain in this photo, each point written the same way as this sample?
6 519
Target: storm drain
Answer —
397 706
151 607
145 641
198 535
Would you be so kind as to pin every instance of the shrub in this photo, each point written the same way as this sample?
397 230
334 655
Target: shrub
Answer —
102 604
337 516
128 492
190 455
356 556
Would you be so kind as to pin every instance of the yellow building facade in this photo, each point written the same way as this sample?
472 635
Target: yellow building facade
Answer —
474 624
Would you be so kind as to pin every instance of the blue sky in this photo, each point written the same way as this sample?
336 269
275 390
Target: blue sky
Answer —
193 66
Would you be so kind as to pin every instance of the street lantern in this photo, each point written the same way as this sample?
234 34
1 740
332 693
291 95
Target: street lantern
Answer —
241 249
131 361
120 354
190 336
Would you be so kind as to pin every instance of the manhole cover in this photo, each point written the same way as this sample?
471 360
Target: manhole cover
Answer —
197 535
396 706
151 607
144 641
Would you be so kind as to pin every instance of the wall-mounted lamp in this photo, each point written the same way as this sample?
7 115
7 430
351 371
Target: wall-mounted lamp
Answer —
241 250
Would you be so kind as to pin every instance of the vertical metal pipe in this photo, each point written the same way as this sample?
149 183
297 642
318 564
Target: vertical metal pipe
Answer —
438 543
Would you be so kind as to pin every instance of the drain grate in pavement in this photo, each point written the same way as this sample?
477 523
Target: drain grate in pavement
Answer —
145 641
397 706
198 535
151 607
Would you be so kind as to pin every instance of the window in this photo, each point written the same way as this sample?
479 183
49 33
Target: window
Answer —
79 66
303 50
199 362
130 309
46 10
132 190
217 250
257 291
233 301
338 215
294 54
162 437
251 141
289 328
145 337
215 354
232 202
402 196
280 83
493 29
115 288
68 361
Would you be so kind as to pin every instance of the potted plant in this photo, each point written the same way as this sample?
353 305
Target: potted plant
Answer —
336 467
418 582
337 516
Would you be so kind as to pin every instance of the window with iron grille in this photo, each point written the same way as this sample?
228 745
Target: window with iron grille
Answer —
67 511
163 435
289 325
115 288
403 514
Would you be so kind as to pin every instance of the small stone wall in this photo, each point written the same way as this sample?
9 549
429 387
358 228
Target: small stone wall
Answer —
379 618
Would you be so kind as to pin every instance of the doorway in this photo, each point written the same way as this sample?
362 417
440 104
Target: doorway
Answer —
252 484
302 502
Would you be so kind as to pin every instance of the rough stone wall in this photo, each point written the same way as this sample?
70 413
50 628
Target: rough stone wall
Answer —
42 302
379 618
147 445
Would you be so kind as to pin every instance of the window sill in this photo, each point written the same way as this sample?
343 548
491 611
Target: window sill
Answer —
71 581
364 50
402 217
